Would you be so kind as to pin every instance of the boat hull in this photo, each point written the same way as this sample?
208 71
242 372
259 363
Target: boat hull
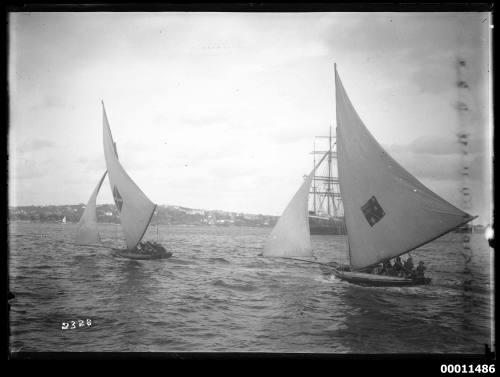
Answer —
140 256
372 280
326 225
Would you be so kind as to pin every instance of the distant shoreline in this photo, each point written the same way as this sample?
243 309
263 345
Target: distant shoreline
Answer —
164 215
162 224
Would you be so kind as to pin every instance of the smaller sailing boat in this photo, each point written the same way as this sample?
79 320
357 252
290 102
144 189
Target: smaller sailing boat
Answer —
134 207
63 220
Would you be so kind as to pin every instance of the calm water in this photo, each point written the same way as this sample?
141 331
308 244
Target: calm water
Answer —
217 294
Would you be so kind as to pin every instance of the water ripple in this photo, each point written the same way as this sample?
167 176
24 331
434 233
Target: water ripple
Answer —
217 294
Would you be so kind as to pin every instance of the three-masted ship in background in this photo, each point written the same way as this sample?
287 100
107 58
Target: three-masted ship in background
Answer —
326 214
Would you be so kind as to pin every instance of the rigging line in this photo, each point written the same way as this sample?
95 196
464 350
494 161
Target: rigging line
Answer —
309 261
335 270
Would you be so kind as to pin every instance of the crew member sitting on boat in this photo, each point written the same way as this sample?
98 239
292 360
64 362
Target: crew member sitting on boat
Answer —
386 267
376 270
398 267
161 249
152 248
408 268
419 272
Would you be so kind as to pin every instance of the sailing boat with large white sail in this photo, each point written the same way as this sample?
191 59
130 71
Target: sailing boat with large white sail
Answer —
387 211
134 207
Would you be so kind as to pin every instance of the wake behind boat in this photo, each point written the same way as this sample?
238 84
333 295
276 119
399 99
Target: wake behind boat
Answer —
134 207
387 211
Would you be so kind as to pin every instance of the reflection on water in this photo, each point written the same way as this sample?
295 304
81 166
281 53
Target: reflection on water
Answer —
217 294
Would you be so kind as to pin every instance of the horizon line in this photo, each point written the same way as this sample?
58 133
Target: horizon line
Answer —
160 205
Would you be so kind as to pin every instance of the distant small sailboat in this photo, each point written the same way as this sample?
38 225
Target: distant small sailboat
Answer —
63 220
387 211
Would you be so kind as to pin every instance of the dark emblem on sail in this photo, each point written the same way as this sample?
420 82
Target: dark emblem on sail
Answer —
373 211
118 198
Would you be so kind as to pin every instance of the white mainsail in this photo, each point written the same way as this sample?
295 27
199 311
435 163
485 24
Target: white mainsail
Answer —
135 209
86 231
290 236
388 212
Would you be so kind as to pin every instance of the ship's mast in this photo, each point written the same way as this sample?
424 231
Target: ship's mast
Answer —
314 177
329 181
330 171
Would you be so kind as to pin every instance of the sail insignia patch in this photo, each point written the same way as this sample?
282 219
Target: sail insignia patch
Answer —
118 198
373 211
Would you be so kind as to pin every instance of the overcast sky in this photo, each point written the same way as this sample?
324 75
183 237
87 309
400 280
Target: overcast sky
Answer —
220 110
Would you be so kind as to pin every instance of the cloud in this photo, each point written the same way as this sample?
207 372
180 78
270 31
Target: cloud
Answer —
24 169
133 146
420 49
41 144
480 168
92 164
447 144
30 147
228 170
434 167
48 102
434 145
439 157
466 39
204 120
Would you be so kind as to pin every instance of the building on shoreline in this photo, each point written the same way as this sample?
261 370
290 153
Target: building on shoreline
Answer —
164 215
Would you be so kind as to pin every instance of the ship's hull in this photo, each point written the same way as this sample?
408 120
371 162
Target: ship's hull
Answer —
371 280
326 225
124 253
